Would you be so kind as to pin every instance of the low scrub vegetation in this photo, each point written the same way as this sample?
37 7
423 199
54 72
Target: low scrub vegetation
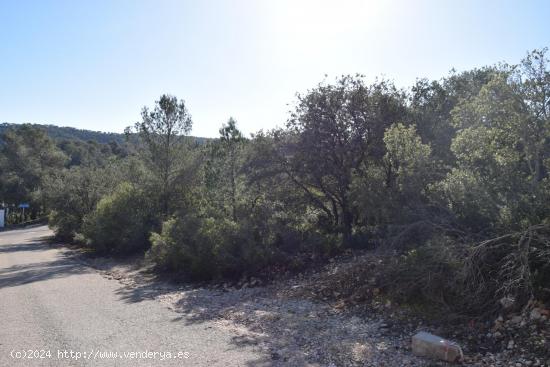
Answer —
120 222
208 247
450 176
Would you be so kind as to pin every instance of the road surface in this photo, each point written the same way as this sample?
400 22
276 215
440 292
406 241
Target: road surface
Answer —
62 313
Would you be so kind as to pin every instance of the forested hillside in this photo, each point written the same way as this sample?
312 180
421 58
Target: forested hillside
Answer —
449 176
70 133
61 133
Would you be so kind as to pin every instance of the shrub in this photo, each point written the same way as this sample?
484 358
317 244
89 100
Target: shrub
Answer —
206 248
72 194
426 275
514 265
64 224
460 280
120 223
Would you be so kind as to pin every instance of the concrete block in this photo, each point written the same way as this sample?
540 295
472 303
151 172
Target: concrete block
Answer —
433 346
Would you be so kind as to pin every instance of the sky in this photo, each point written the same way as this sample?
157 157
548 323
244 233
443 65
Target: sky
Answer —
95 64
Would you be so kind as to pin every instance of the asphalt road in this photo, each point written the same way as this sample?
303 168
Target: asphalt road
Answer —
52 306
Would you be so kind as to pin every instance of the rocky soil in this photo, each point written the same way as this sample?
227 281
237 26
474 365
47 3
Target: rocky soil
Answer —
323 318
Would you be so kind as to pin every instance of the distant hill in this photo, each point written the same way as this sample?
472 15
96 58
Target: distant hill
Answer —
71 133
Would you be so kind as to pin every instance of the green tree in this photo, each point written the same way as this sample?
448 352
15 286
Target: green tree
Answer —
224 165
162 131
501 144
431 103
72 194
27 157
334 132
407 160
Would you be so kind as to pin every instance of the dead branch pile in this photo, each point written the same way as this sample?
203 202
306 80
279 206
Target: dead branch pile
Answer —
463 280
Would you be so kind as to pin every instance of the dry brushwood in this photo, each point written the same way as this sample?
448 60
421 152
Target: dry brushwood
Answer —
506 266
465 281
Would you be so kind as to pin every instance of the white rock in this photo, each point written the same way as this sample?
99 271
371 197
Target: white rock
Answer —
507 302
535 314
429 345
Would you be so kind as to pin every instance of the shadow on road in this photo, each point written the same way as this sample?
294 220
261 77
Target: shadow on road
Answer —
257 317
149 291
21 274
22 247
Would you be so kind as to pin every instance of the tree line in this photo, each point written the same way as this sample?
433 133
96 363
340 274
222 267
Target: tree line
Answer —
451 175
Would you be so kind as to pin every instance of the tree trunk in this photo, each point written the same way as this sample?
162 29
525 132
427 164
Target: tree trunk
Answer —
347 222
233 191
347 228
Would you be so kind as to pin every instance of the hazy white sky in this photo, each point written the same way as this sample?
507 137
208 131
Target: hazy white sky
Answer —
94 64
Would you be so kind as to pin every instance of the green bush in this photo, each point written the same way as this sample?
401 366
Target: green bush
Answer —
72 194
65 224
206 248
121 222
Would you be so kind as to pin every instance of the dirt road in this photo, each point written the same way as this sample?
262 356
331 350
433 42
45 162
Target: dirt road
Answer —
63 313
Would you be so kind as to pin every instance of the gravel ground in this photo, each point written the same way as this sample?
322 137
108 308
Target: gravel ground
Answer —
291 328
321 318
